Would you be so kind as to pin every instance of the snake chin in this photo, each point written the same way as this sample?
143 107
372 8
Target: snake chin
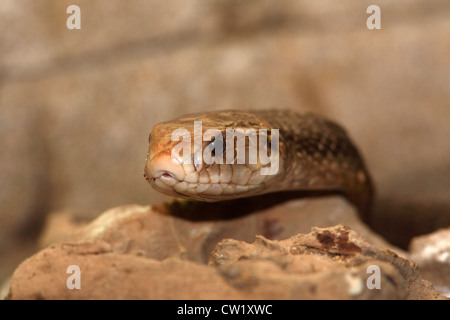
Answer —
201 191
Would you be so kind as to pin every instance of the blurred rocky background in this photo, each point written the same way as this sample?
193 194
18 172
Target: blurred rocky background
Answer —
76 106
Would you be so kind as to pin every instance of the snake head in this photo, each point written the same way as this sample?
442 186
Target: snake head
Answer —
188 161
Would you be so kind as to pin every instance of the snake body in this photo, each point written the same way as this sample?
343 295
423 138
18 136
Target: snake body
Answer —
314 154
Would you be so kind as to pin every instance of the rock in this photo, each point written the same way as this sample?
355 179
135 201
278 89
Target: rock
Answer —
4 288
327 263
432 254
159 252
176 230
191 230
106 275
59 226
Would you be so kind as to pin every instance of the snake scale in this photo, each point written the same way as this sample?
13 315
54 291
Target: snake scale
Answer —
313 153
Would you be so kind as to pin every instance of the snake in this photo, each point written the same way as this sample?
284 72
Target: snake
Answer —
313 154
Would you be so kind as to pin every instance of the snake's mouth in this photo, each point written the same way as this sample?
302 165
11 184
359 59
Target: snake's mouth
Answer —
202 191
179 180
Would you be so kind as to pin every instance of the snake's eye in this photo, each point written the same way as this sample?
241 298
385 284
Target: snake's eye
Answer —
212 146
216 146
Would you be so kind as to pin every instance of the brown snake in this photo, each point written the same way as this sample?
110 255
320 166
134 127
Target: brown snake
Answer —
314 154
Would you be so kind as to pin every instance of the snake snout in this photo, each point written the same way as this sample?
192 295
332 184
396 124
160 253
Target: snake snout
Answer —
162 167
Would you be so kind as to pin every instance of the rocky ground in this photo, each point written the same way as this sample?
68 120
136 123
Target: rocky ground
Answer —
162 252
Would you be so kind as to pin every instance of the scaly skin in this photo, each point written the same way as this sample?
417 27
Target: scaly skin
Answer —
314 154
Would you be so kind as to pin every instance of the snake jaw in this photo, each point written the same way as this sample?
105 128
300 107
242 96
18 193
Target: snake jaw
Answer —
171 178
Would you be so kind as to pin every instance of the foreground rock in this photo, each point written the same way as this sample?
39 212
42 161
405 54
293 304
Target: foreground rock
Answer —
192 230
432 254
134 252
327 263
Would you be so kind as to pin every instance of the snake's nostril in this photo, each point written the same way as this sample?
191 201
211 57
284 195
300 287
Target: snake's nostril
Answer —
167 175
163 167
168 178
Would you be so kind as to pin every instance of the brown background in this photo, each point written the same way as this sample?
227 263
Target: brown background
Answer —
76 106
